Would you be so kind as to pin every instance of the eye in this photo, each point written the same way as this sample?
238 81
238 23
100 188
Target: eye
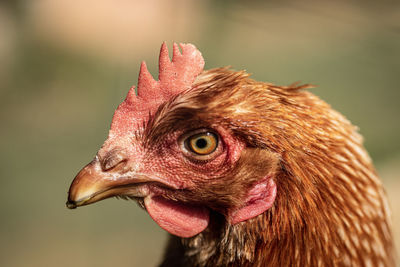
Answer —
202 143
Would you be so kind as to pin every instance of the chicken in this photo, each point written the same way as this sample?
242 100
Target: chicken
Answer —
241 172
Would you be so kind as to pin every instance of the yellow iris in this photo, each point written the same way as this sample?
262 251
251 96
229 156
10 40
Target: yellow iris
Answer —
203 143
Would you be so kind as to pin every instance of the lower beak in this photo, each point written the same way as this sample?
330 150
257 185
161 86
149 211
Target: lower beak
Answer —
92 184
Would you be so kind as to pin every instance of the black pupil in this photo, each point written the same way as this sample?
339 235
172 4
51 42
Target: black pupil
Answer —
201 143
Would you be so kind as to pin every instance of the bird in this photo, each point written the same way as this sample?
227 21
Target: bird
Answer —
240 172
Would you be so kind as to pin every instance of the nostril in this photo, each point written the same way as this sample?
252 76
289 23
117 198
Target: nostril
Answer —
113 159
113 163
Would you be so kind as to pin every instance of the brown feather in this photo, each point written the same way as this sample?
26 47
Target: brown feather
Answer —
330 209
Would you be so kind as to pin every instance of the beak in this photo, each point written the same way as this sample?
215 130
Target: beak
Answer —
92 184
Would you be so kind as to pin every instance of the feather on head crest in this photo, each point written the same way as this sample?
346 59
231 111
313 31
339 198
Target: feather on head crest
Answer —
174 77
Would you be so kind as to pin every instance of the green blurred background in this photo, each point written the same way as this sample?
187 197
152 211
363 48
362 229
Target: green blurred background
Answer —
66 64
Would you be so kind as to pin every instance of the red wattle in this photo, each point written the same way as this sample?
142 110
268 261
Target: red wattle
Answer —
177 218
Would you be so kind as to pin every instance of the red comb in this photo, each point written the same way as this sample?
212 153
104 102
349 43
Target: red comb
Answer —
174 77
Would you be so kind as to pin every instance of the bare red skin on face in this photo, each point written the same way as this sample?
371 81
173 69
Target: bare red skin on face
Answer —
178 218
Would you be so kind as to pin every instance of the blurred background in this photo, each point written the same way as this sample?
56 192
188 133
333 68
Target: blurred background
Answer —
65 65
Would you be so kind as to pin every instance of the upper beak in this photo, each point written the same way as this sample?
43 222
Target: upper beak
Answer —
92 184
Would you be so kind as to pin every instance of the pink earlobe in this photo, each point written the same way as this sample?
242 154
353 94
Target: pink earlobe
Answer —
260 198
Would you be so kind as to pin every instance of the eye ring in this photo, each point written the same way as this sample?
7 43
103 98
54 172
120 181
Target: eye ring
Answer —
203 143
